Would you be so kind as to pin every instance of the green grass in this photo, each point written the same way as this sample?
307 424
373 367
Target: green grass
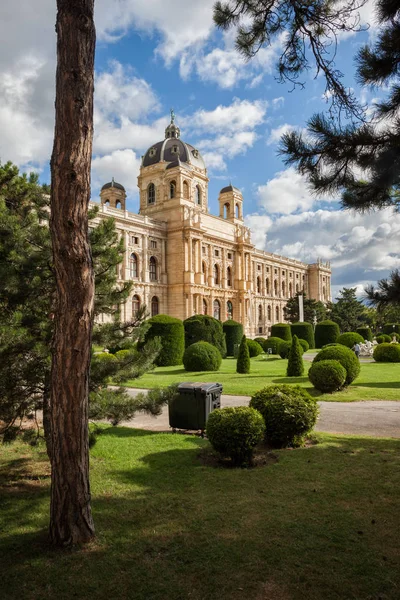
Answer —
377 381
320 522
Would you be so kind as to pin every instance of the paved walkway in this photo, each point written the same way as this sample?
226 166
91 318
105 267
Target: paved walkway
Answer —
377 419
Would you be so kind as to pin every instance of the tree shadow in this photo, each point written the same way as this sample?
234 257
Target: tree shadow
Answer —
382 384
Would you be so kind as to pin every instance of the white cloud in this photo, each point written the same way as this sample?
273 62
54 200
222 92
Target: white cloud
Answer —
286 193
123 165
278 102
238 116
276 134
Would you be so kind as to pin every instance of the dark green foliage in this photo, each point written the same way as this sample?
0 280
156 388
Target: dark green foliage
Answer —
289 413
327 376
311 307
326 332
365 333
203 328
261 341
387 353
349 339
202 356
172 337
345 356
382 339
295 366
347 311
386 297
274 343
243 359
234 432
390 328
233 335
282 331
304 345
284 349
304 331
254 348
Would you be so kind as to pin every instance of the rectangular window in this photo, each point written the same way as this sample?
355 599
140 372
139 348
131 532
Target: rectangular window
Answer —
216 252
283 272
258 267
229 255
297 275
290 274
153 244
204 249
276 271
267 269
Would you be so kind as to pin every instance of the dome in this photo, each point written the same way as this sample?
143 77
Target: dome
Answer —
230 188
114 184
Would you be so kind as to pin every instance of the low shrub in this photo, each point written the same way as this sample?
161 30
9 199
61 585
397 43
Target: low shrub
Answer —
333 344
387 353
284 349
327 376
382 339
204 328
349 339
326 332
365 333
234 432
295 367
304 331
289 413
304 345
345 356
273 343
243 359
202 356
281 330
261 341
172 336
233 334
254 348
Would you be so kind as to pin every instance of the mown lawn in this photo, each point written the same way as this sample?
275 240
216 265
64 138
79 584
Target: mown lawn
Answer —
377 381
317 523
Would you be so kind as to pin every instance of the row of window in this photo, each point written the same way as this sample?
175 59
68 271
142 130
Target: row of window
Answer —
154 305
276 287
216 309
134 267
151 192
269 313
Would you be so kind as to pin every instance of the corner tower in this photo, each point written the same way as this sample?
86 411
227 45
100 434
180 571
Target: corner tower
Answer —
231 204
113 194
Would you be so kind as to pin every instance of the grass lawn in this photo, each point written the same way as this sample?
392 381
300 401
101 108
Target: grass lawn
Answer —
377 381
318 523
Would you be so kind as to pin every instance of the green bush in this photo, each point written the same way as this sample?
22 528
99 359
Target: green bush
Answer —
284 349
274 343
243 359
390 328
304 331
304 345
330 345
349 339
289 413
365 333
345 356
172 337
387 353
202 356
261 341
327 376
234 432
121 354
295 367
233 334
326 332
382 339
203 328
282 331
254 348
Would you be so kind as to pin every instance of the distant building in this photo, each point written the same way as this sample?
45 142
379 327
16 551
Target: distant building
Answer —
185 261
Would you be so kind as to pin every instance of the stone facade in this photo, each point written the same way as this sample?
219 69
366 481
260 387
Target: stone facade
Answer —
185 261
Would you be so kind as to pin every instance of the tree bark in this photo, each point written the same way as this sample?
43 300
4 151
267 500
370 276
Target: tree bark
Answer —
70 512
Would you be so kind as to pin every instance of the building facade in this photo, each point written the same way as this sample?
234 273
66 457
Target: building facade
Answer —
185 261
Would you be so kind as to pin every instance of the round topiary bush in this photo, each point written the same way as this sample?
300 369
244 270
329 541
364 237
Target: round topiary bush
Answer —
284 349
345 356
202 356
365 333
383 339
327 376
326 332
261 341
289 413
233 335
172 336
234 432
243 359
387 353
295 367
273 343
254 348
203 328
349 339
304 331
304 345
282 331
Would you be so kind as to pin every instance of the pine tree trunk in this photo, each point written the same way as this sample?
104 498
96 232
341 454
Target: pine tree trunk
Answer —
47 414
70 512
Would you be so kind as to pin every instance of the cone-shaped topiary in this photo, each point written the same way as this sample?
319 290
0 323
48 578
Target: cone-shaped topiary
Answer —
326 332
203 328
172 336
365 333
304 331
243 360
295 366
233 334
281 330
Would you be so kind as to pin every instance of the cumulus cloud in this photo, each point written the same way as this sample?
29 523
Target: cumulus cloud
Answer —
276 134
123 165
286 193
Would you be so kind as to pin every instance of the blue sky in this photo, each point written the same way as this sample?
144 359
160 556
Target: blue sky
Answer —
152 55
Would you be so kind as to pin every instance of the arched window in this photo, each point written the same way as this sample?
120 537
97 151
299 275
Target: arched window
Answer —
118 204
205 307
260 312
275 287
198 194
204 270
283 288
107 202
133 266
229 277
154 306
258 285
226 211
217 310
216 275
323 293
297 287
290 289
237 211
153 269
151 194
185 190
269 312
135 305
172 189
229 310
277 313
267 286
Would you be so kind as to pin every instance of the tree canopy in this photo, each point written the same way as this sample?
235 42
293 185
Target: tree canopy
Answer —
347 311
311 307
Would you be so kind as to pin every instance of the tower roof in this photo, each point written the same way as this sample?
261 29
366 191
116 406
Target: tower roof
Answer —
112 184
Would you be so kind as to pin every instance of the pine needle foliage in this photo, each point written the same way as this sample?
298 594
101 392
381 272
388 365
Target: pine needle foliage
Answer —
295 366
243 359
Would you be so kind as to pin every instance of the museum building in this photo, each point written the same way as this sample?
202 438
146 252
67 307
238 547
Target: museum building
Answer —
185 261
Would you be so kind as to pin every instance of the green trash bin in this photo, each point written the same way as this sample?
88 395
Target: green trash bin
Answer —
192 405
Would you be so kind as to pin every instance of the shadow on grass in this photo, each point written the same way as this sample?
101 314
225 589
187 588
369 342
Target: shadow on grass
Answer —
293 380
382 384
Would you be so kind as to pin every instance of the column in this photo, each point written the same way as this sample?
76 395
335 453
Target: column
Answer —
145 259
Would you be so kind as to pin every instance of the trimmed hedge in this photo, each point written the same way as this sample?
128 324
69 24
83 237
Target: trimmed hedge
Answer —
243 359
349 339
382 339
233 335
289 413
304 345
172 336
345 356
295 367
202 356
282 331
261 341
327 376
304 331
254 348
284 349
234 432
203 328
326 332
387 353
365 333
390 328
274 343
